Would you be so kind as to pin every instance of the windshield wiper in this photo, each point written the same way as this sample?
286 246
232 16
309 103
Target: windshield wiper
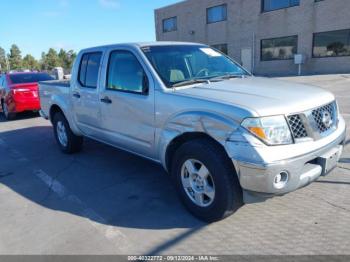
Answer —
226 77
190 82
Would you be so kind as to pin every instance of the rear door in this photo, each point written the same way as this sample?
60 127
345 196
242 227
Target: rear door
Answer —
85 94
127 103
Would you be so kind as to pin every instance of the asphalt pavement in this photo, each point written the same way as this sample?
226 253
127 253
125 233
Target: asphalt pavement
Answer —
106 201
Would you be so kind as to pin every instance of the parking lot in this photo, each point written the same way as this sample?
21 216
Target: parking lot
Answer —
106 201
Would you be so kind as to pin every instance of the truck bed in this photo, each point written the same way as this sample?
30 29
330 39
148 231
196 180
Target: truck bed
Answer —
49 89
56 83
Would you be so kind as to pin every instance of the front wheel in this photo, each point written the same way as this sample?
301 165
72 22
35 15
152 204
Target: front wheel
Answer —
68 142
206 180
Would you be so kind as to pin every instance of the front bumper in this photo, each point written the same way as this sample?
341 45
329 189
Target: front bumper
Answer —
257 165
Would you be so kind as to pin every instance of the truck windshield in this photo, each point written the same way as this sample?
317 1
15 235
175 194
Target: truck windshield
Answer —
29 78
178 64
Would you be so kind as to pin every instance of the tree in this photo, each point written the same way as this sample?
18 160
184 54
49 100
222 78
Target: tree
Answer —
48 60
43 63
336 47
282 53
15 58
51 59
3 64
70 60
62 55
66 59
29 62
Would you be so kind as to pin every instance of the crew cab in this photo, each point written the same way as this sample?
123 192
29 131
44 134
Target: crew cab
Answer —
19 92
226 137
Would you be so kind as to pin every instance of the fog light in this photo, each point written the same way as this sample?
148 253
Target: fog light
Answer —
280 180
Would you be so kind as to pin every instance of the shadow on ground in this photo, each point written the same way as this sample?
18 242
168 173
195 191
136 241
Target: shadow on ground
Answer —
345 160
123 189
20 116
333 182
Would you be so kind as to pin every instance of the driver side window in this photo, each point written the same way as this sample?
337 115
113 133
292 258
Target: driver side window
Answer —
126 74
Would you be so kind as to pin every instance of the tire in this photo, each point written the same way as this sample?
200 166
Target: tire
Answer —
68 142
222 178
8 115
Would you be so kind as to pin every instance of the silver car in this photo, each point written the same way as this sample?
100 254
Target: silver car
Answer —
225 136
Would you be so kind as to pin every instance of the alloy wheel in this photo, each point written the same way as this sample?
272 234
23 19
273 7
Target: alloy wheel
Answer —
62 133
198 183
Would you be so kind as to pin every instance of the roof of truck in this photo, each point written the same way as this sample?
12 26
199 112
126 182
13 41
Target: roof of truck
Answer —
144 44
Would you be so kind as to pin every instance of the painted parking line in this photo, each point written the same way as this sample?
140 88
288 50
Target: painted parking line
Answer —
110 232
113 234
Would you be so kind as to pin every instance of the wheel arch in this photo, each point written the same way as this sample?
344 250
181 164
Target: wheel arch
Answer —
180 140
192 125
55 108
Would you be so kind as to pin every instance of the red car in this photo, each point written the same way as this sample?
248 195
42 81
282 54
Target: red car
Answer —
19 92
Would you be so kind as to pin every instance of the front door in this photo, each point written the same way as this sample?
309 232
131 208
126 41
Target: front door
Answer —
127 104
85 96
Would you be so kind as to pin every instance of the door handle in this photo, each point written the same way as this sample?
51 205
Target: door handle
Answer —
77 95
106 100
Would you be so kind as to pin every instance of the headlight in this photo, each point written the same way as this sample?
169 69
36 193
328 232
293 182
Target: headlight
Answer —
273 130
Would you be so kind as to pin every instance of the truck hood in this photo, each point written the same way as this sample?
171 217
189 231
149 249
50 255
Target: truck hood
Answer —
262 96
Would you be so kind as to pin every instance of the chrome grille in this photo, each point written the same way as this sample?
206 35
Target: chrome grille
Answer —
319 114
297 126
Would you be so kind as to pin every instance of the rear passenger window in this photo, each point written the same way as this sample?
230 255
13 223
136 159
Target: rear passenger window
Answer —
89 69
82 70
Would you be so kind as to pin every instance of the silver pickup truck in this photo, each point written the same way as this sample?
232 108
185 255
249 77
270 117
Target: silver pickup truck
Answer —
225 136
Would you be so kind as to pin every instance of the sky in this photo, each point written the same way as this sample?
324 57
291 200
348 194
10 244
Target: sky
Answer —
37 25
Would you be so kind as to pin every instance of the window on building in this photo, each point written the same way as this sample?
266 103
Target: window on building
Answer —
221 47
170 24
270 5
89 69
125 73
281 48
330 44
217 14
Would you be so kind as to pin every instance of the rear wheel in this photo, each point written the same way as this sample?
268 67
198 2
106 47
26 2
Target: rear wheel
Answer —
8 115
206 180
68 142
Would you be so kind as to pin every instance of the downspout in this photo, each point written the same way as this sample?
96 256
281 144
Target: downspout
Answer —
253 53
